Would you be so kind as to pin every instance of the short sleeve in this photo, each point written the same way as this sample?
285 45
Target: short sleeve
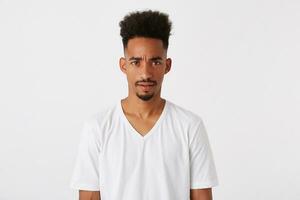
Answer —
202 167
86 170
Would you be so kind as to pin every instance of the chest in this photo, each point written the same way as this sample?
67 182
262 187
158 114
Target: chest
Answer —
156 165
166 147
142 126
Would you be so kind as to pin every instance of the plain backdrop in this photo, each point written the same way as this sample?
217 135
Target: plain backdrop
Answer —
235 63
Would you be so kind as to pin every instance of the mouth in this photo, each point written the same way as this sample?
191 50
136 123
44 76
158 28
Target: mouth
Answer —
145 86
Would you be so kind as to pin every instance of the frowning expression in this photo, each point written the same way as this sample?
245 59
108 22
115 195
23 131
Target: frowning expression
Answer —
145 64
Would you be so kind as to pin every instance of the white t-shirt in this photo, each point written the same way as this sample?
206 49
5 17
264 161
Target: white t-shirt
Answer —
172 158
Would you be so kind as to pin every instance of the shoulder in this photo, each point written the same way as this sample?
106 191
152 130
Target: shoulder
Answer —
98 124
188 122
102 117
183 114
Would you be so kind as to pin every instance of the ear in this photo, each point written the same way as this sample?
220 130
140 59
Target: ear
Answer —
122 64
168 65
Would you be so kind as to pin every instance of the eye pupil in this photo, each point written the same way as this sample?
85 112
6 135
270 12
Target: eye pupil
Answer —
156 62
136 62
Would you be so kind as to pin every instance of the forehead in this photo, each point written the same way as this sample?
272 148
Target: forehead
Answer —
141 46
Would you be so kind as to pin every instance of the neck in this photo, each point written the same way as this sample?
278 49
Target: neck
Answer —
142 109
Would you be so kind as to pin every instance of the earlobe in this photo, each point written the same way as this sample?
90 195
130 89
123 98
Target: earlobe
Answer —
168 65
122 64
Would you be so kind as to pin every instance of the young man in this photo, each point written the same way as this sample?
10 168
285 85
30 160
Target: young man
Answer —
144 147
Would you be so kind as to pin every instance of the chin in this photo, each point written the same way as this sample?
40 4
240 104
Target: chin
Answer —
145 97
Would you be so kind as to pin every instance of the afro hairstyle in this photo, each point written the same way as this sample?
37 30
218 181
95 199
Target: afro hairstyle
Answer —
148 23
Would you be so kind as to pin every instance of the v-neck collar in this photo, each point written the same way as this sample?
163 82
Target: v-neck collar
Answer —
152 130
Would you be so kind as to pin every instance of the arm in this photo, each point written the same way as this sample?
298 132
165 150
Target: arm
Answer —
203 175
89 195
201 194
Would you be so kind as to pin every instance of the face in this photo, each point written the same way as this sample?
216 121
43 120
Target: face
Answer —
145 64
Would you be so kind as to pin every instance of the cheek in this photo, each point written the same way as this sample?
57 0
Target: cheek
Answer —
131 79
160 77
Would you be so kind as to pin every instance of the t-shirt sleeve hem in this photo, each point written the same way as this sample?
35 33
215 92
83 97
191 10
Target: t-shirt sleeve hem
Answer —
202 185
83 186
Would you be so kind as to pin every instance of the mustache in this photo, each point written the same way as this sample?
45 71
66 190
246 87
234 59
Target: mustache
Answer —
146 81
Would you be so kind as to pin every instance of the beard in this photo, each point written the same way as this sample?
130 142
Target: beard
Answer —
148 96
145 97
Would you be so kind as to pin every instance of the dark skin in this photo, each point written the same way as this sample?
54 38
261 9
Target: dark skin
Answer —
89 195
145 63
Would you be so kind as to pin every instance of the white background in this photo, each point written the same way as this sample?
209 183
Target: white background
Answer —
235 63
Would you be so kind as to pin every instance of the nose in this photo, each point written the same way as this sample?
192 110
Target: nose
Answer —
145 70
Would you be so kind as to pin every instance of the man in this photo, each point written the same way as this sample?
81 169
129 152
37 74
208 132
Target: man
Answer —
144 147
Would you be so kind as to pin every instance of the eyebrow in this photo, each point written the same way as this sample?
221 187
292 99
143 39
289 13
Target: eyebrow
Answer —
139 58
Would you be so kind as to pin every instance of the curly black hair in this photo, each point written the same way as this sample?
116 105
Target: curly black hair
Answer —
148 23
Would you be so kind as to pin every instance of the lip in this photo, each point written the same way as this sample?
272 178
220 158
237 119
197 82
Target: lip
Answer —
145 84
145 87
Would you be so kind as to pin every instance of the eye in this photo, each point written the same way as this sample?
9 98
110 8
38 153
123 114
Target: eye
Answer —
135 62
156 62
